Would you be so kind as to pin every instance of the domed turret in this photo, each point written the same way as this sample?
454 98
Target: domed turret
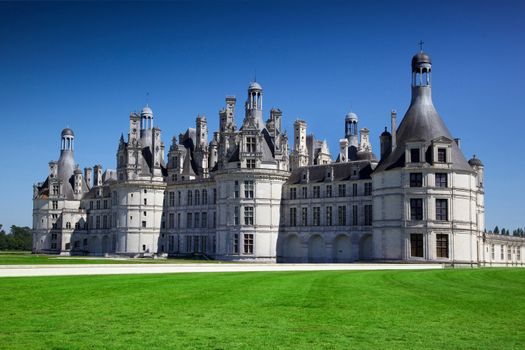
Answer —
421 59
67 132
146 118
351 117
351 121
475 162
255 86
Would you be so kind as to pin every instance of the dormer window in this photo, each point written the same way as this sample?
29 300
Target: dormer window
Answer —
442 155
414 155
250 144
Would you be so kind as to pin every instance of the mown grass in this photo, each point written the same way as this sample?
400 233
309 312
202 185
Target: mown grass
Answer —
26 258
438 309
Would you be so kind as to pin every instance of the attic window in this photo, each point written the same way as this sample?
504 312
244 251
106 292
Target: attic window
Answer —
414 155
355 172
442 155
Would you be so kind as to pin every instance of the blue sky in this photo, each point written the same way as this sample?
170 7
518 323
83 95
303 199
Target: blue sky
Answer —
87 65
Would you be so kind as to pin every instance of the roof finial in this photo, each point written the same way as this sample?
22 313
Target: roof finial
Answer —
147 98
421 42
255 75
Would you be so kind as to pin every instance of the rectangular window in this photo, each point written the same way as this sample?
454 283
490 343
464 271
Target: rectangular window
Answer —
55 205
442 155
143 223
317 216
189 220
248 189
441 180
354 189
55 190
368 189
293 216
342 190
304 216
197 197
171 201
328 191
236 243
416 209
354 215
179 196
204 220
236 189
416 245
171 220
305 192
442 245
145 201
414 155
509 253
492 251
91 205
316 193
178 221
248 243
502 252
214 219
236 216
341 211
442 209
188 244
196 220
98 204
416 180
214 196
248 216
97 222
204 196
106 204
368 214
190 197
250 144
104 221
518 253
329 216
293 193
250 163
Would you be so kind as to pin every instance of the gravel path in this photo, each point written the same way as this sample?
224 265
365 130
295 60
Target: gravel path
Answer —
107 269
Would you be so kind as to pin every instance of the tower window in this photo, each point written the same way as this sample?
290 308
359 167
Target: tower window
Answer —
293 216
248 243
442 155
248 189
416 180
414 155
441 180
416 245
416 209
250 144
293 193
442 209
248 216
442 245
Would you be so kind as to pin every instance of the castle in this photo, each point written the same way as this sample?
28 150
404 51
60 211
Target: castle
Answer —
245 196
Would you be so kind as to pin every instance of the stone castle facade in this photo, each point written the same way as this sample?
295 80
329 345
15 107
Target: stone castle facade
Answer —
245 196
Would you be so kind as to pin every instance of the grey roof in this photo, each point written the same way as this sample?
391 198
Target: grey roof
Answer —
342 172
419 58
67 132
421 122
255 86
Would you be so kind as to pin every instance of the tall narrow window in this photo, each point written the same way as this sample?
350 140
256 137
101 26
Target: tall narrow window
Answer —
248 216
179 196
293 193
317 216
441 180
250 144
354 190
197 220
189 219
171 220
416 209
235 243
368 215
416 179
197 197
250 163
304 216
248 243
190 197
214 196
329 216
248 189
341 210
442 155
293 216
502 252
316 191
442 245
368 189
236 215
416 245
204 197
414 155
236 189
171 201
442 209
328 191
305 192
55 205
204 223
354 215
342 190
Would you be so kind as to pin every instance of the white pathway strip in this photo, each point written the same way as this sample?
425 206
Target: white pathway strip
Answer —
71 270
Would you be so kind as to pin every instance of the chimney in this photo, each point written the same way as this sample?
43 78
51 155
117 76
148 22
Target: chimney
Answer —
393 116
458 142
88 172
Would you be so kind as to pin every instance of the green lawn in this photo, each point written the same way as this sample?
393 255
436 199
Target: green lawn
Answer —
26 258
437 309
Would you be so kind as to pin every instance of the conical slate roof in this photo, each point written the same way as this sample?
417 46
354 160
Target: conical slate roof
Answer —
422 122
